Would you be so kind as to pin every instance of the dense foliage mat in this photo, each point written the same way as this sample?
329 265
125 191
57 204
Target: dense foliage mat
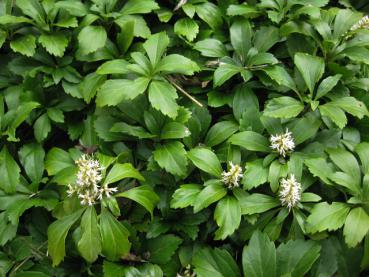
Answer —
184 138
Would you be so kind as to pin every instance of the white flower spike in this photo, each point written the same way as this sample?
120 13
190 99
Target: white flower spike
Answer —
363 23
87 186
282 143
290 192
232 177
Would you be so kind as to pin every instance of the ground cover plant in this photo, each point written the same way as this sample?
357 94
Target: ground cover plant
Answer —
184 138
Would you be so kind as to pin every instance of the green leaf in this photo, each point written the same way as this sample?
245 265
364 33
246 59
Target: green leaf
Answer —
356 226
327 217
215 262
283 107
265 38
3 36
327 85
352 106
295 258
162 248
114 237
258 203
185 196
240 34
32 158
362 149
174 130
344 21
219 132
117 66
255 174
121 171
209 195
336 114
210 13
175 63
186 27
139 7
172 157
281 76
89 246
311 69
251 141
90 84
9 171
42 127
228 217
54 44
57 232
162 97
305 128
91 38
259 257
143 195
348 164
136 131
25 45
211 48
112 92
319 168
205 160
56 160
155 46
33 9
224 72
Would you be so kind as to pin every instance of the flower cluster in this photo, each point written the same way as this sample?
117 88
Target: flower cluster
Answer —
87 186
187 272
290 191
232 177
283 143
363 23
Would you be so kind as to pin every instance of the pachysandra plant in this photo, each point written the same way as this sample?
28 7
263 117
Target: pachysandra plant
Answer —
184 138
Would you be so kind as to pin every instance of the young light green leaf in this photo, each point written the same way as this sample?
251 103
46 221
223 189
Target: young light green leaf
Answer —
185 196
162 97
143 195
9 171
327 217
32 158
227 215
259 257
251 141
172 157
155 46
25 45
311 69
56 160
209 195
186 27
205 160
89 246
57 232
121 171
258 203
356 226
91 38
219 132
283 107
55 44
114 237
175 63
